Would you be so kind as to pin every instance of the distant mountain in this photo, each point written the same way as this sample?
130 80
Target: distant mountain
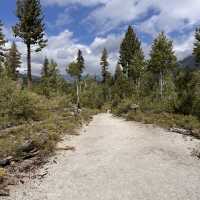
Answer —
188 62
24 77
38 78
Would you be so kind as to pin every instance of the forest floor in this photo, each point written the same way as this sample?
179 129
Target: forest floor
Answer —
118 160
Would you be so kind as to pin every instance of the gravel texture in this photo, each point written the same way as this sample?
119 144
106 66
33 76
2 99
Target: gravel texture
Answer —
119 160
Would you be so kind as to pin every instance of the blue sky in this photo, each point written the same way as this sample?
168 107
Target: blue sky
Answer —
92 25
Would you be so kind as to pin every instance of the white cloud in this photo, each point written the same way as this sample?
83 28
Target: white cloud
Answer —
63 49
107 15
67 2
116 12
170 16
184 46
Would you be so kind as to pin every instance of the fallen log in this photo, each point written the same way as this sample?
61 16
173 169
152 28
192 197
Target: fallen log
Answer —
65 148
180 131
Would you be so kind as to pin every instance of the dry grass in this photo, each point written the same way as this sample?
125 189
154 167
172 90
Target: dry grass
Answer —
168 120
3 172
44 134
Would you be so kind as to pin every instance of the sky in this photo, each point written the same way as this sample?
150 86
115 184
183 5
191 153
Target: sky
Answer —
91 25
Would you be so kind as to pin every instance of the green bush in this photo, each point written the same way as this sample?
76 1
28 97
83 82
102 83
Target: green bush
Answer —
17 105
124 107
92 97
167 120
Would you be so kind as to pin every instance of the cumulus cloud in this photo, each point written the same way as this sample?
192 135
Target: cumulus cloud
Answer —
105 16
109 14
63 49
170 16
67 2
184 46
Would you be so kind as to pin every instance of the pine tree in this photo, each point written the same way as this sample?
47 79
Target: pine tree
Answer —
121 85
74 71
196 50
104 65
118 73
137 67
45 68
30 28
51 80
2 47
129 50
81 63
13 61
195 93
162 59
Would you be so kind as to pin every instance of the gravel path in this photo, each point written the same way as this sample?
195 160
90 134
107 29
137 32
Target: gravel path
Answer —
119 160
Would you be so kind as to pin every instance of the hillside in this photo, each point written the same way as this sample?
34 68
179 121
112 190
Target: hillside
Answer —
189 62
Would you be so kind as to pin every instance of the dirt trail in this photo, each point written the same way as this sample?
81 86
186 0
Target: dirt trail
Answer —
119 160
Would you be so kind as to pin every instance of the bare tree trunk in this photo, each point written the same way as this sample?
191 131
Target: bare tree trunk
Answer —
138 83
77 94
161 84
29 74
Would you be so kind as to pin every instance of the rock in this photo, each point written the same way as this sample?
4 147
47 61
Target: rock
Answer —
196 152
54 161
12 181
6 161
26 165
22 181
4 192
65 148
31 155
180 131
134 107
196 133
42 175
26 147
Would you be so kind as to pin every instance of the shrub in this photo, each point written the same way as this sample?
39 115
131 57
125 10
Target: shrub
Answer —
92 97
17 105
124 107
167 120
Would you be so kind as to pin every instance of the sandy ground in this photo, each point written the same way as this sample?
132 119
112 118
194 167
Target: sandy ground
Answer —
119 160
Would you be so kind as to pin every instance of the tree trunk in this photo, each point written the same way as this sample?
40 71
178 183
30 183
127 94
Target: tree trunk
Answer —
161 84
77 94
29 74
138 83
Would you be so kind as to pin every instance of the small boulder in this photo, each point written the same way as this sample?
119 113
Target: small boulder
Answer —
4 192
5 162
26 147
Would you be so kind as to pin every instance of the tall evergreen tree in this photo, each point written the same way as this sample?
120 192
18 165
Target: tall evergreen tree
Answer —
104 65
13 61
81 63
162 59
52 82
2 47
120 88
137 67
196 50
130 49
74 71
30 28
118 72
45 68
